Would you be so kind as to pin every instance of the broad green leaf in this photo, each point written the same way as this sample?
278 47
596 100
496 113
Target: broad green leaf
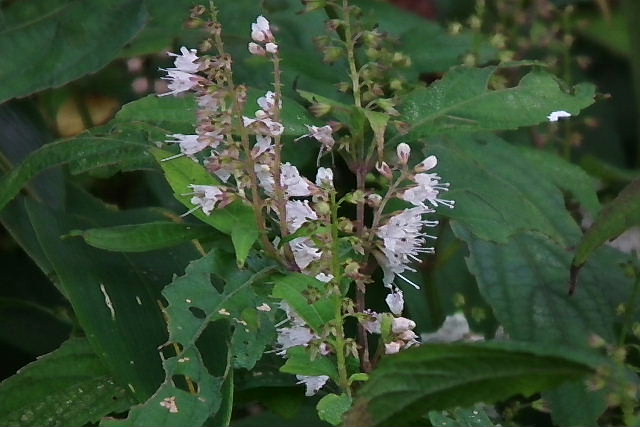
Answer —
499 192
470 417
526 282
70 386
171 405
573 404
237 219
620 214
566 176
144 237
332 407
68 39
440 376
301 362
114 296
296 288
461 102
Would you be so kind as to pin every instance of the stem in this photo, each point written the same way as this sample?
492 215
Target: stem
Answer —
351 57
339 318
630 310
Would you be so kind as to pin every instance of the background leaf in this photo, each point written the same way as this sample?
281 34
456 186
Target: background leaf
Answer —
70 386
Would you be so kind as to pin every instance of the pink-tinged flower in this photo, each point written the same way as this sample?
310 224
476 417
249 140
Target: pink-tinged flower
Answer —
189 144
403 151
395 301
557 115
313 383
256 49
373 324
206 197
263 126
209 103
264 144
179 82
304 251
268 103
427 164
298 213
427 189
384 169
271 48
293 183
392 347
261 30
403 241
186 61
322 134
402 324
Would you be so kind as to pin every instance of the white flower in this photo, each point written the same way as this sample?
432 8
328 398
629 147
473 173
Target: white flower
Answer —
556 115
263 126
261 31
403 151
322 134
298 213
313 384
206 197
292 337
180 82
271 48
427 164
264 144
256 49
374 325
186 60
189 144
264 307
304 251
324 177
403 242
209 102
293 183
427 189
395 301
402 324
392 347
325 278
454 328
268 103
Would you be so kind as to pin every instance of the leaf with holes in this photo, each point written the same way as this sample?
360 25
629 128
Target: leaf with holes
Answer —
70 386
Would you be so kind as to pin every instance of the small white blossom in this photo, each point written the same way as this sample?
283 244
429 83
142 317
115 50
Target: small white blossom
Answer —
395 301
206 197
312 383
556 115
293 183
264 144
427 189
324 177
189 144
392 347
322 134
186 61
402 324
264 307
256 49
293 336
374 325
326 278
298 213
179 81
261 30
403 151
268 103
427 164
271 47
304 251
170 404
454 328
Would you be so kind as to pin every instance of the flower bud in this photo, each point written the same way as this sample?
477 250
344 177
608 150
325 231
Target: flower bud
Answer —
384 169
427 164
374 200
403 151
402 324
392 347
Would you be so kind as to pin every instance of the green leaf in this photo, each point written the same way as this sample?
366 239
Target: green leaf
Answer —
143 237
70 386
461 102
68 39
171 405
301 362
441 376
573 404
470 417
331 408
620 214
237 219
499 192
526 281
294 289
566 176
114 297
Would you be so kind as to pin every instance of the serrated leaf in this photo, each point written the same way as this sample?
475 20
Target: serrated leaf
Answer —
499 192
332 407
293 288
70 386
620 214
68 39
144 237
525 282
461 102
440 376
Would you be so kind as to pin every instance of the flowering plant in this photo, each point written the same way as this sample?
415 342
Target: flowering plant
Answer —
317 196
